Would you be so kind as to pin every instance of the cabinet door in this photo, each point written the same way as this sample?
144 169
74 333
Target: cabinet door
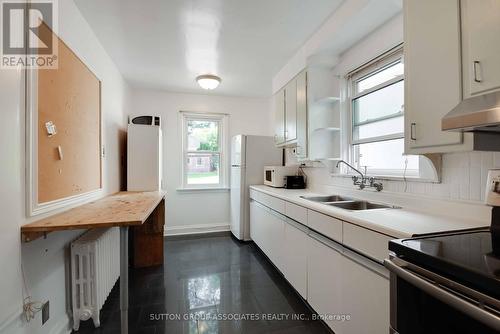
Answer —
481 46
275 236
365 296
301 149
258 215
291 110
432 72
279 117
324 274
295 256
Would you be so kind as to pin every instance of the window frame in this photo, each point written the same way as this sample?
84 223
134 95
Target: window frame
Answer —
371 68
222 120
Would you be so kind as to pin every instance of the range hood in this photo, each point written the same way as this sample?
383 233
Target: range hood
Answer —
476 114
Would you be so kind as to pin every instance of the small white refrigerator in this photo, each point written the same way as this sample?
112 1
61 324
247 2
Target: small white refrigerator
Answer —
249 155
144 166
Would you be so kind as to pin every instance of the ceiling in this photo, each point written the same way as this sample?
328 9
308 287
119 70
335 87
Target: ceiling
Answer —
164 45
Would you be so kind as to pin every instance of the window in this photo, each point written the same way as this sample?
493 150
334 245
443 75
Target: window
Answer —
377 113
204 150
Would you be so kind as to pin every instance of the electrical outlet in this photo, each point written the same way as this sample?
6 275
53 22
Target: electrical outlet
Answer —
45 312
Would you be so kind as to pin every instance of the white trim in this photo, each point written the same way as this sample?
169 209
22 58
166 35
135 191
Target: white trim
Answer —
194 190
62 326
33 208
67 202
378 139
195 229
223 152
11 319
377 87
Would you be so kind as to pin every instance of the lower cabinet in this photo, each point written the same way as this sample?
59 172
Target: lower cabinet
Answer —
349 291
258 213
324 278
275 235
295 256
365 295
267 230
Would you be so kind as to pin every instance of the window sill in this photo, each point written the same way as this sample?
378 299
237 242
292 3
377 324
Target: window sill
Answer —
410 178
202 190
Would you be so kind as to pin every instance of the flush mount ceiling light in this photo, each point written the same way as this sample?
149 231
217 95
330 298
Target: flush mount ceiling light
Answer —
208 81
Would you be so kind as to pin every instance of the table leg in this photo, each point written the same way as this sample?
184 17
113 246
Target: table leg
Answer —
124 278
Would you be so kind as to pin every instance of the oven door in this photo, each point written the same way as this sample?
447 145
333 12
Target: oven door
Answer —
423 302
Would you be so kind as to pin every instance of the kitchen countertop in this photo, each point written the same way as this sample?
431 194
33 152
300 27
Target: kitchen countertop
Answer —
398 223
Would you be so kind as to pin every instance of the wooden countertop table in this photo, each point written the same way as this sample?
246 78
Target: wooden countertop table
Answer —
122 209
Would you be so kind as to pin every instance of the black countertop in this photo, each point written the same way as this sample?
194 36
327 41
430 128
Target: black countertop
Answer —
469 258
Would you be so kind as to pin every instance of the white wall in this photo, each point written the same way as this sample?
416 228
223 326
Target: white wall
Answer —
353 20
45 261
188 212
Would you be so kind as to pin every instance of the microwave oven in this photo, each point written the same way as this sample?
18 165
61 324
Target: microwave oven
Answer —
274 176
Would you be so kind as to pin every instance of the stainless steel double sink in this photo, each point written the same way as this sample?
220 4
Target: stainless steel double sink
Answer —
348 203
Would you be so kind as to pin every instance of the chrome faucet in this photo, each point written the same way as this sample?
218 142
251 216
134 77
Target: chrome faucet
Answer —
364 180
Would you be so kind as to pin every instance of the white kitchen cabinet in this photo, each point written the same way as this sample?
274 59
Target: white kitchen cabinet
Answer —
267 230
301 150
291 115
432 74
480 46
296 212
326 225
275 238
372 244
365 295
295 256
279 117
324 278
291 110
258 216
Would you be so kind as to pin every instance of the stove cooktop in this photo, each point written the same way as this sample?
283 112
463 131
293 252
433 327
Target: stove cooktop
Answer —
470 258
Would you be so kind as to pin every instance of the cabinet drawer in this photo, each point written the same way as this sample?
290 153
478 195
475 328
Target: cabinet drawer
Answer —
370 243
254 194
296 212
272 202
326 225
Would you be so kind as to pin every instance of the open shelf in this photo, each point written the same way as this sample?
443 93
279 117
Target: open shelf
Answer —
325 145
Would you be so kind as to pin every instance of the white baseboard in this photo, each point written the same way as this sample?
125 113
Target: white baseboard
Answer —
62 326
11 320
15 323
195 229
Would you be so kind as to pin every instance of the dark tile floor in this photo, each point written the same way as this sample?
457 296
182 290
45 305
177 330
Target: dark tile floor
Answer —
205 278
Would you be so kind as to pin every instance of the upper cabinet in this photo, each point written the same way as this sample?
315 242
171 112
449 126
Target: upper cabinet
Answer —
432 74
480 46
291 115
279 117
450 55
307 114
291 111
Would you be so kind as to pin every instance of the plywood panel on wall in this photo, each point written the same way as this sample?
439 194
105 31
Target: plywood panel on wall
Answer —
70 98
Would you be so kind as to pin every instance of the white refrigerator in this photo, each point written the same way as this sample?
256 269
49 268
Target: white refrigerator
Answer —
144 166
249 155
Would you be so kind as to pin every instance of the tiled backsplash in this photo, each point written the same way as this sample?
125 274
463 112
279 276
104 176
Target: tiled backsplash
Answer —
463 178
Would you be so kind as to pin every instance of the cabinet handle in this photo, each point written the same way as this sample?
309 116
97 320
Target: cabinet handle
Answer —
286 134
474 66
413 131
